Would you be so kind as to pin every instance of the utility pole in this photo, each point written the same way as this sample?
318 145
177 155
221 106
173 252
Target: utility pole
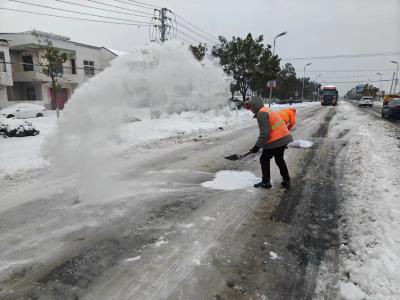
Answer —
380 86
163 28
162 24
304 75
391 86
397 73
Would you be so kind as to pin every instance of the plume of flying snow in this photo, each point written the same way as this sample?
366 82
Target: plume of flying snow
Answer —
165 79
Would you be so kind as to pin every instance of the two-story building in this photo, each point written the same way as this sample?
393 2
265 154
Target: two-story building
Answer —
21 79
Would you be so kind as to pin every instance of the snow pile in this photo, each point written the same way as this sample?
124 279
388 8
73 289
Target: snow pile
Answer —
16 128
370 249
232 180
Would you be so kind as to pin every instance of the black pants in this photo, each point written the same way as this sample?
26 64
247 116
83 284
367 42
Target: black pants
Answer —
266 156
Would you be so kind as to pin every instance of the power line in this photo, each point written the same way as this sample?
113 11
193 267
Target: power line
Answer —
184 40
196 33
138 5
390 53
194 26
74 18
348 70
361 81
124 8
103 9
144 3
189 36
76 12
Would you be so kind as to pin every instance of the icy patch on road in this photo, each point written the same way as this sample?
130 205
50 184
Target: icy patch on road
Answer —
133 258
232 180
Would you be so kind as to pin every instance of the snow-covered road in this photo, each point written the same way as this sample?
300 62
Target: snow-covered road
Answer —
150 230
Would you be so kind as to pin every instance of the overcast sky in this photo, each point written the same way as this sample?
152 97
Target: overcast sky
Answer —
315 28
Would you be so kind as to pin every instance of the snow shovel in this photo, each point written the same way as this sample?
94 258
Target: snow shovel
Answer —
237 156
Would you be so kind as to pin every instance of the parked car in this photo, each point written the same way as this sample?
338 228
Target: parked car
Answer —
23 111
391 110
365 101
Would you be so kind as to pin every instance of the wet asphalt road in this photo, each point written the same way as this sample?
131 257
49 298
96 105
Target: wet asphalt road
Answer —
194 243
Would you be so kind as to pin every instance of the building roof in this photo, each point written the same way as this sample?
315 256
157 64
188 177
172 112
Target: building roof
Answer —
56 37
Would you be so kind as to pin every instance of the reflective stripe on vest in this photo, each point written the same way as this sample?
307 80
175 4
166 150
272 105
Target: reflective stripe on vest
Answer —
277 125
285 116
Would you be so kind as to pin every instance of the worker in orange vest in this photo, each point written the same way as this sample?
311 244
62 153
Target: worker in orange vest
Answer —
273 139
289 116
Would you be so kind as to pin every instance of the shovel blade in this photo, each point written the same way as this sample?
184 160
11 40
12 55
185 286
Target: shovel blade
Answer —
233 157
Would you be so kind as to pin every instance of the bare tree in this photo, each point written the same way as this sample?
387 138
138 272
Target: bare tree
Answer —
51 62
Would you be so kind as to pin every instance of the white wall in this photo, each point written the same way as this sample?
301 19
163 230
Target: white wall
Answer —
100 56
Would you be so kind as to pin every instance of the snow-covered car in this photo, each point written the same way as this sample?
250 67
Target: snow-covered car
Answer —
365 101
23 111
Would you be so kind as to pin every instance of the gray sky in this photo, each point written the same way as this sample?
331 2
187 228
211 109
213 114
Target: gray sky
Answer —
315 28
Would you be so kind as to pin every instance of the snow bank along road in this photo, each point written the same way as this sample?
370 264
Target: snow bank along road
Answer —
164 235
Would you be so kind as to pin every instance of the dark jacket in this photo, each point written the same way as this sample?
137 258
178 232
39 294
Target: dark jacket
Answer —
263 124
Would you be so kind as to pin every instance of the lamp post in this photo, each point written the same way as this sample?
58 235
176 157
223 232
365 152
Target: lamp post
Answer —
304 75
397 73
273 54
380 85
316 87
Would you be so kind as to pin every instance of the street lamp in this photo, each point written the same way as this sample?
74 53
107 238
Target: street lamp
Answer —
316 87
397 72
273 54
380 85
304 75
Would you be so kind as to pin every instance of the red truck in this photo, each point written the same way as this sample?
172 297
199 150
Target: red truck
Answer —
328 95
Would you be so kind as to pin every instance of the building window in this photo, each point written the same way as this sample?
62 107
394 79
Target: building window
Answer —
28 62
2 62
73 66
88 66
30 93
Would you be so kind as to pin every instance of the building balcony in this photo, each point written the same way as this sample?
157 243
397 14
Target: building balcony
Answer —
36 76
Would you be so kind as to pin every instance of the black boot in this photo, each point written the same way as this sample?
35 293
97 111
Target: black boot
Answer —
264 185
285 183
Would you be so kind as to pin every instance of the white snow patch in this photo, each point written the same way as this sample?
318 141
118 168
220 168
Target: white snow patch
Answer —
160 242
273 255
133 258
186 226
300 144
232 180
208 219
349 291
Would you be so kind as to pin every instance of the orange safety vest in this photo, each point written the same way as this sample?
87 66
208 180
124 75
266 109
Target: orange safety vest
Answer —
277 125
289 117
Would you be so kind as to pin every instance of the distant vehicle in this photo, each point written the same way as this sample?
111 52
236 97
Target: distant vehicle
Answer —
23 111
365 101
329 95
391 110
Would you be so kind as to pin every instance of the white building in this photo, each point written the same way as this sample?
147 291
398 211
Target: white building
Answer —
21 79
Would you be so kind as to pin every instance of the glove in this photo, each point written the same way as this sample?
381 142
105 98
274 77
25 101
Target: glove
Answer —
255 149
